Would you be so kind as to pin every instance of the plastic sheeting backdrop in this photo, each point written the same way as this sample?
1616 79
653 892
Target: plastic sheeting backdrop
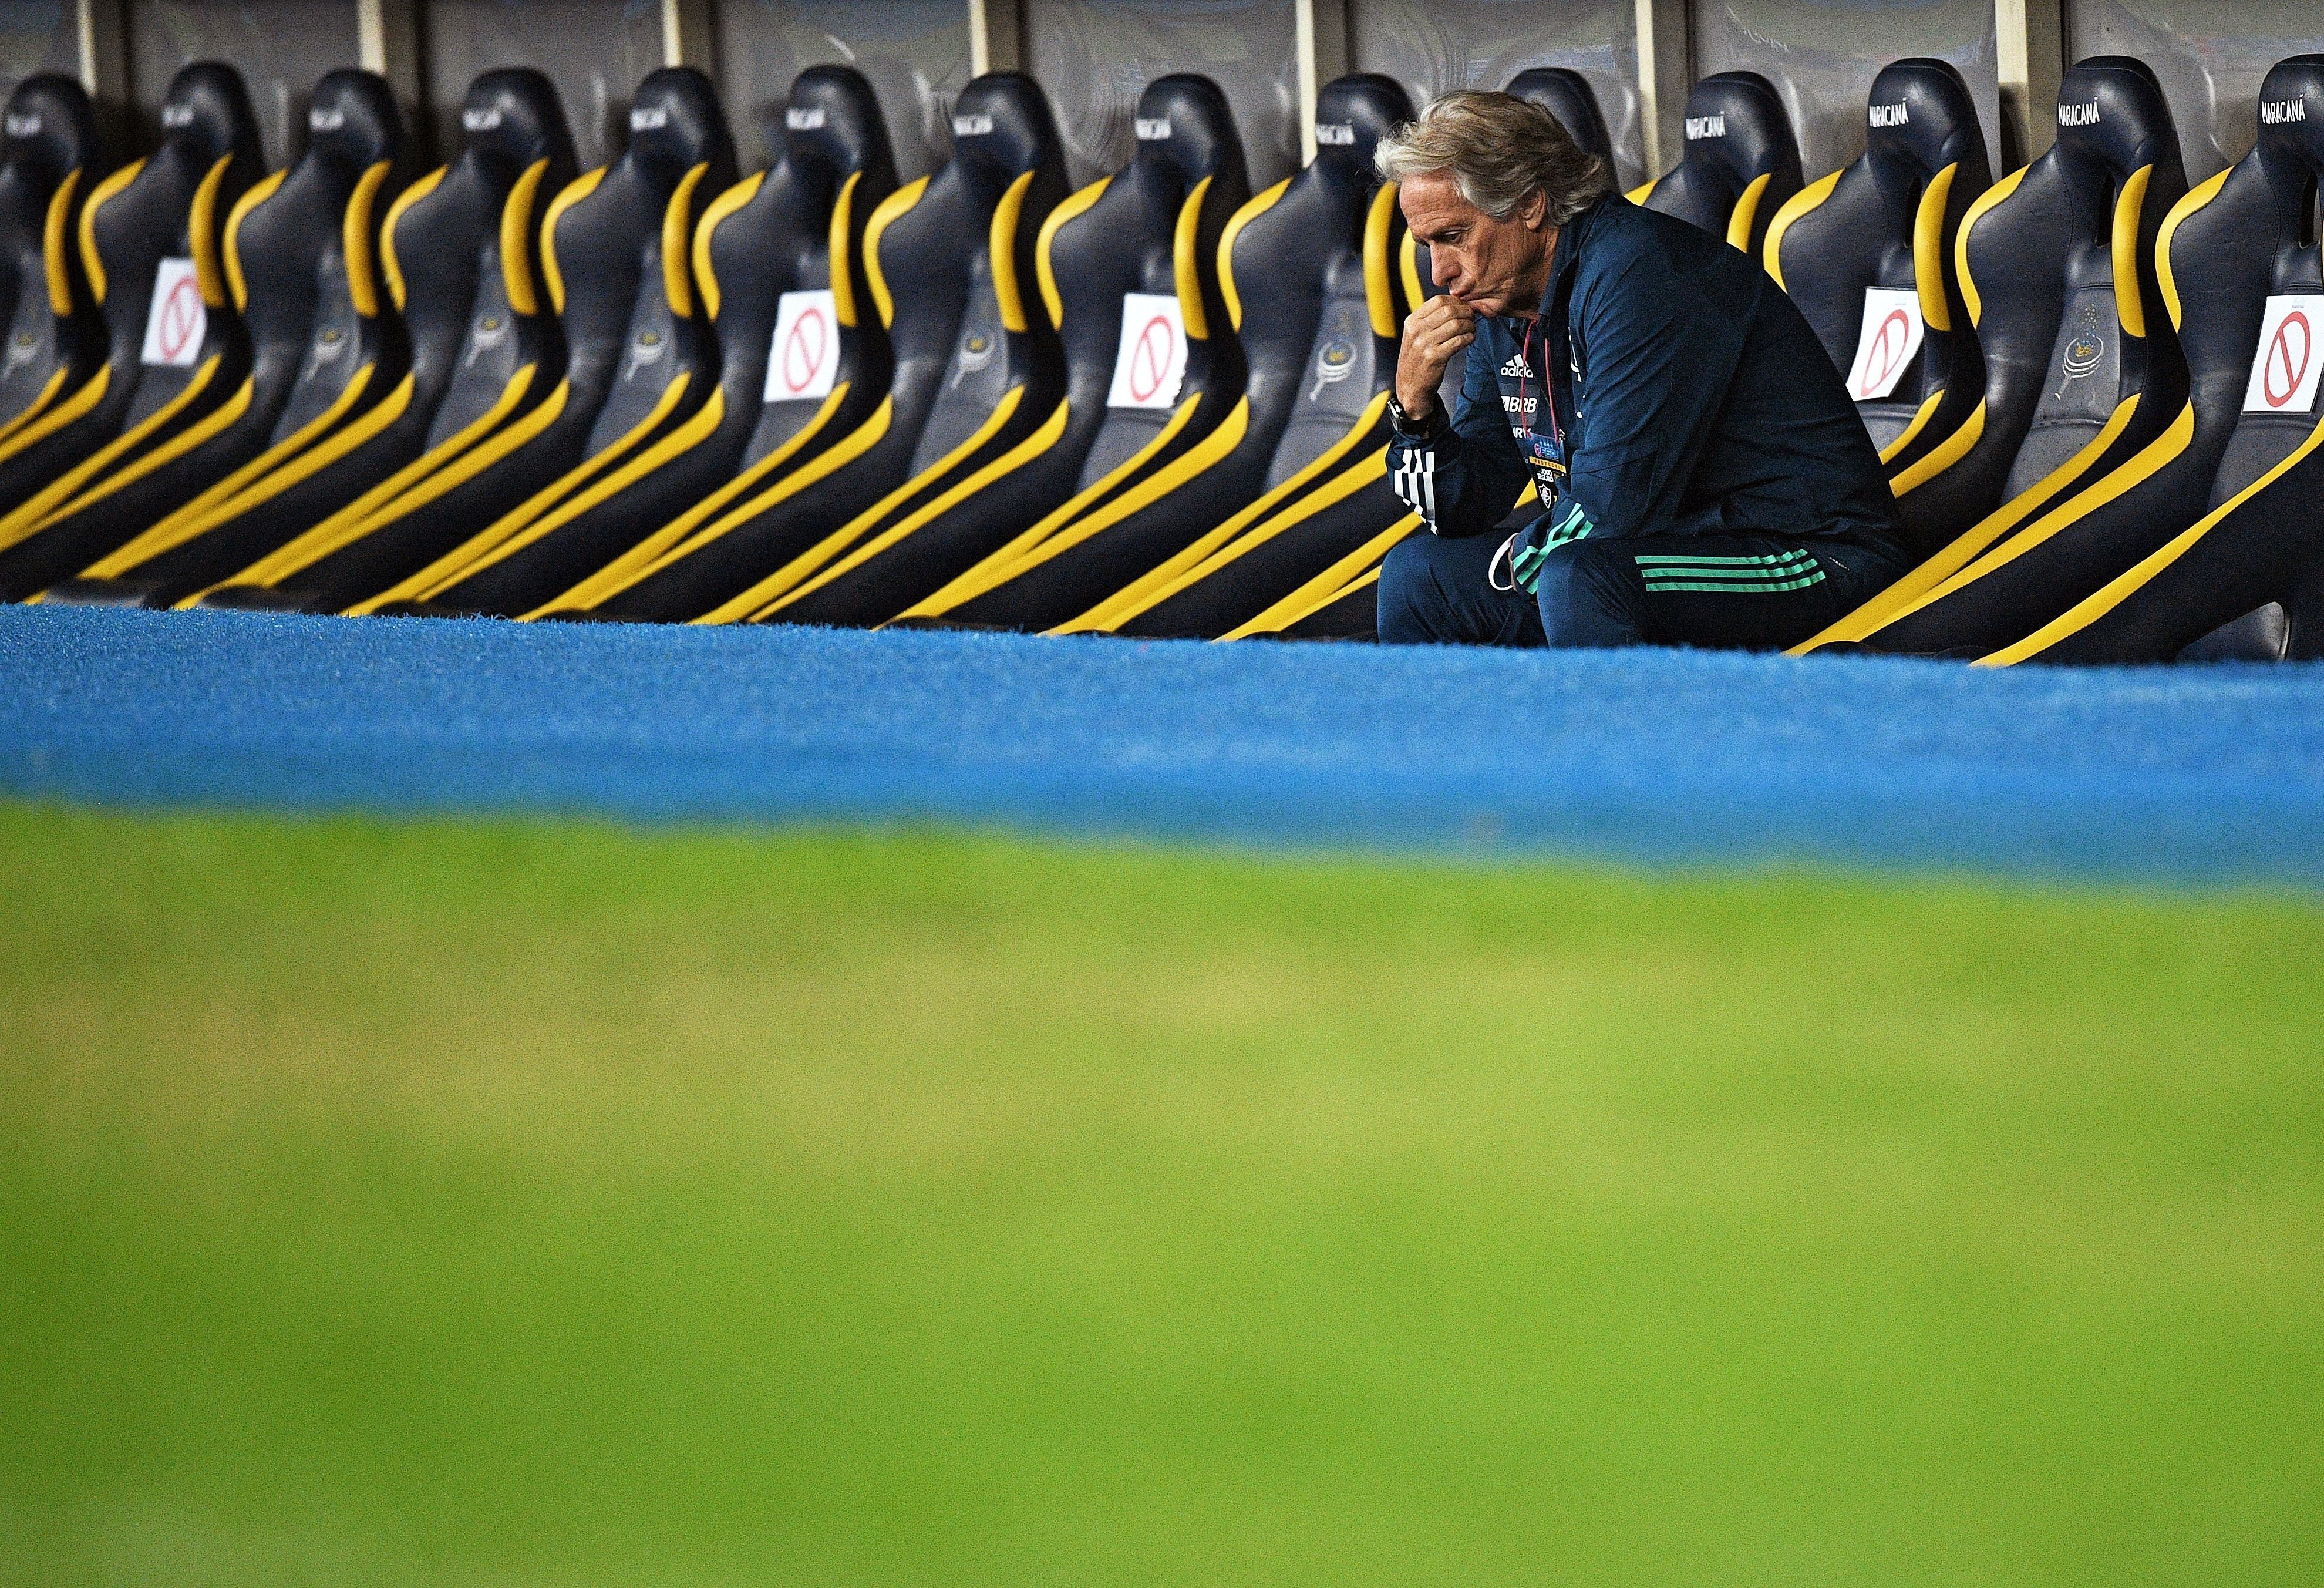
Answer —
2210 55
1095 57
594 50
915 53
280 46
1434 46
36 35
1821 55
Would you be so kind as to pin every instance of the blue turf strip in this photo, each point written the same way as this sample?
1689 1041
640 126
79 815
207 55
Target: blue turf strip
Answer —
2191 773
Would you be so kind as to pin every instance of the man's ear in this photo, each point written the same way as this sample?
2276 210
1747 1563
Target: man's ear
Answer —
1536 214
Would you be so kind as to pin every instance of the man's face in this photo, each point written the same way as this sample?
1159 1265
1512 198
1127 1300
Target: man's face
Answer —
1488 264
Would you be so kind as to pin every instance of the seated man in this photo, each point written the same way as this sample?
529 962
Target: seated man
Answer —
1706 480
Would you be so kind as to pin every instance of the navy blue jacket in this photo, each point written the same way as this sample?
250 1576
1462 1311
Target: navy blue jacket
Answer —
1687 396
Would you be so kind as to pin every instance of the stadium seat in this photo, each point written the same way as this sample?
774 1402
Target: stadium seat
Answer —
1128 276
56 337
150 244
1867 254
302 251
470 230
2140 571
2056 268
1340 603
1307 271
787 240
949 259
1741 164
616 259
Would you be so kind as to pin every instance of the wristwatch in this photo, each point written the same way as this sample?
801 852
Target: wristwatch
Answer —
1405 424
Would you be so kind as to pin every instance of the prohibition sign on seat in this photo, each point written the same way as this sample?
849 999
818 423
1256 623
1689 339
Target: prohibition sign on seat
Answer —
2284 366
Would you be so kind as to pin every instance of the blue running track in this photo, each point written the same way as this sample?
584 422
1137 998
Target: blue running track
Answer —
2192 774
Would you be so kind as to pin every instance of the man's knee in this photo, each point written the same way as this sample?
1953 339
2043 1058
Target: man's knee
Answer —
1588 597
1419 593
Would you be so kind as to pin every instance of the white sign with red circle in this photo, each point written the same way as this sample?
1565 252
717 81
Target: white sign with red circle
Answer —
175 324
804 358
1152 360
1884 347
2290 359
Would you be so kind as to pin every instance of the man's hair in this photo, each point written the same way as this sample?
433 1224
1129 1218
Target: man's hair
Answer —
1499 151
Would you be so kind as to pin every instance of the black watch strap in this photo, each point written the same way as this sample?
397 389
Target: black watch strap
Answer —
1405 424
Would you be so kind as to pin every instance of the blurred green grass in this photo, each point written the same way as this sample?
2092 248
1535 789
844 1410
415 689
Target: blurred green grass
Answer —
495 1204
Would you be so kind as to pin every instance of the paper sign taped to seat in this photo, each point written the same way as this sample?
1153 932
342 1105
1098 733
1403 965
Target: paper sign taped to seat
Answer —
2287 362
1884 347
804 358
177 321
1151 364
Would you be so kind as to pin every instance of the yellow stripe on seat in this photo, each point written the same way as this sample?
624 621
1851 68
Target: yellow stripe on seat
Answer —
27 518
1015 458
2085 612
202 234
1235 223
1921 417
633 564
2129 307
1379 296
676 233
1109 614
1074 205
809 562
509 533
210 425
1907 593
1982 205
1929 250
1799 204
257 481
39 429
56 233
1369 472
37 406
575 190
705 276
1641 193
355 240
390 265
1408 266
92 264
1344 578
354 521
1747 210
892 209
1185 264
841 252
1002 243
1002 565
256 194
516 241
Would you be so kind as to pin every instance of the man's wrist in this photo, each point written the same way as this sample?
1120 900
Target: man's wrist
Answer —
1412 420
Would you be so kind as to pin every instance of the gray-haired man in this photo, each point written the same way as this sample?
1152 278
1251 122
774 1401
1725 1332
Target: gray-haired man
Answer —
1706 480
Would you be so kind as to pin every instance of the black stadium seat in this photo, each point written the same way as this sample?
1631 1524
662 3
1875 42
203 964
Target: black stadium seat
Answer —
1741 164
2218 517
615 260
2057 265
791 236
1129 275
1308 271
156 221
48 156
1867 254
470 230
301 255
950 262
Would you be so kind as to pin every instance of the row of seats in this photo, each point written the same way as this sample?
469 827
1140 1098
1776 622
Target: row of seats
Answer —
1152 407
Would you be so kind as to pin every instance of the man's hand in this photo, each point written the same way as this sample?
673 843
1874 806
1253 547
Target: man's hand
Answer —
1436 332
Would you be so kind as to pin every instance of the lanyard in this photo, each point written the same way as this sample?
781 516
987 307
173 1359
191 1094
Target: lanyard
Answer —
1549 396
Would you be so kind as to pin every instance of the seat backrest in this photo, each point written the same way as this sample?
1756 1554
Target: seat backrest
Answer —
1129 270
1741 162
1867 254
779 259
617 251
48 158
302 257
1567 95
151 239
1310 271
953 271
2242 269
463 253
2057 262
